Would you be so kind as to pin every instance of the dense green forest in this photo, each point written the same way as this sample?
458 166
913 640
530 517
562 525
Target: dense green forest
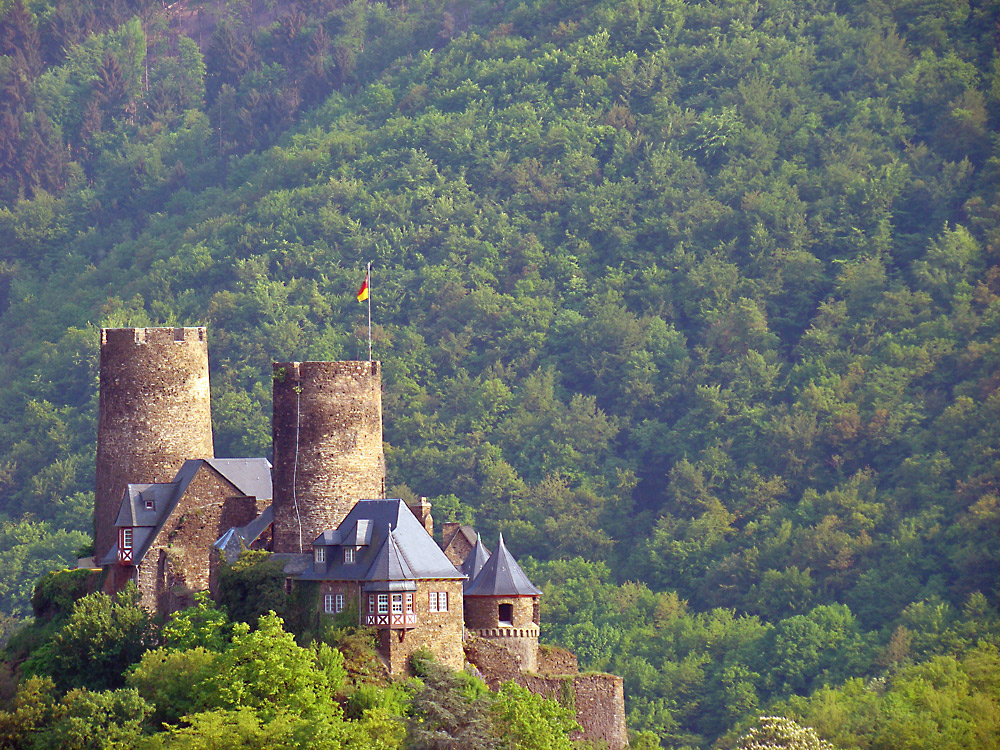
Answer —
697 302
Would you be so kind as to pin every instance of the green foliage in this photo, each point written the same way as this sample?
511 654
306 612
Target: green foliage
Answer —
252 586
532 722
56 592
81 720
704 293
202 625
98 642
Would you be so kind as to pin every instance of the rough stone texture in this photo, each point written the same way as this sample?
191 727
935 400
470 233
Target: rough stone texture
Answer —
179 561
454 543
154 414
422 510
599 699
519 635
439 632
556 660
332 413
495 663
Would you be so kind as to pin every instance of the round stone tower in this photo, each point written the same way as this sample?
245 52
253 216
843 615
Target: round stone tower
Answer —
327 437
155 413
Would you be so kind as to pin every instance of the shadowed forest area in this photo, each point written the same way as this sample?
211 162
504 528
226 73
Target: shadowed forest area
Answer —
697 302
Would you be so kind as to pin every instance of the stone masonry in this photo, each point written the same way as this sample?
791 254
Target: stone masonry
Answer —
440 632
154 414
178 562
519 635
327 436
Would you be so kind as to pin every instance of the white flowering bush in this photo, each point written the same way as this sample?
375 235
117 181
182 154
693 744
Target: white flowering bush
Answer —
779 733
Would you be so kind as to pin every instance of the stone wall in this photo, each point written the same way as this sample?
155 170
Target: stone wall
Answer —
154 414
454 544
598 699
556 660
519 635
438 632
327 437
179 561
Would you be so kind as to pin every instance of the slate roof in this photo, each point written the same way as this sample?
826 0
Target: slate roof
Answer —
397 547
236 539
251 476
475 561
502 576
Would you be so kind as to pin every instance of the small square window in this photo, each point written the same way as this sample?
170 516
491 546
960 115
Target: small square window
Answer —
150 505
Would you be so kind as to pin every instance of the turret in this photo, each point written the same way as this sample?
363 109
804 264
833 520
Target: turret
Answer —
154 414
327 434
501 605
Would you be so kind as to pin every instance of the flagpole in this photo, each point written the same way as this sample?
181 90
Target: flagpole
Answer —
369 311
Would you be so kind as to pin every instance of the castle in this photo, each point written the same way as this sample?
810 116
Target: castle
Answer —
168 514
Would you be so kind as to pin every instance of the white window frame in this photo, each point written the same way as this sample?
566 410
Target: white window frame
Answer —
127 537
338 603
437 601
409 603
319 554
397 604
328 603
348 555
383 604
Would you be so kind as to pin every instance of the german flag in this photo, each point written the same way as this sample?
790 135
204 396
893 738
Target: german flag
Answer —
363 291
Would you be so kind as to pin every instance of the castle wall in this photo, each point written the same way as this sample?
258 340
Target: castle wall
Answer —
179 561
519 635
154 414
327 436
598 699
439 632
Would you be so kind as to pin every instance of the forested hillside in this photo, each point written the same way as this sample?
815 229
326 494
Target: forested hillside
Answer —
697 302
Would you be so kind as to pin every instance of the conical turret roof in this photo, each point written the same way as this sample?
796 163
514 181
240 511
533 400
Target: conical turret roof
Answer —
475 561
389 563
502 576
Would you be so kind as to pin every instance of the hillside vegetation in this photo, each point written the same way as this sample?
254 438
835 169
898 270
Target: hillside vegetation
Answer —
697 302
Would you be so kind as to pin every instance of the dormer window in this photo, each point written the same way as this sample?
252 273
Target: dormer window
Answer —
319 554
348 555
150 504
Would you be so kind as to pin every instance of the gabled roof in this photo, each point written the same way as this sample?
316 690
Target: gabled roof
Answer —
502 576
475 560
410 552
247 475
251 476
236 539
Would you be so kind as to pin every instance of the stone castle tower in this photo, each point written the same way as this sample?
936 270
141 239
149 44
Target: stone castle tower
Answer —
154 414
327 437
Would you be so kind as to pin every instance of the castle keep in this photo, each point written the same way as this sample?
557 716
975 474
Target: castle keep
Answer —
168 513
154 413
